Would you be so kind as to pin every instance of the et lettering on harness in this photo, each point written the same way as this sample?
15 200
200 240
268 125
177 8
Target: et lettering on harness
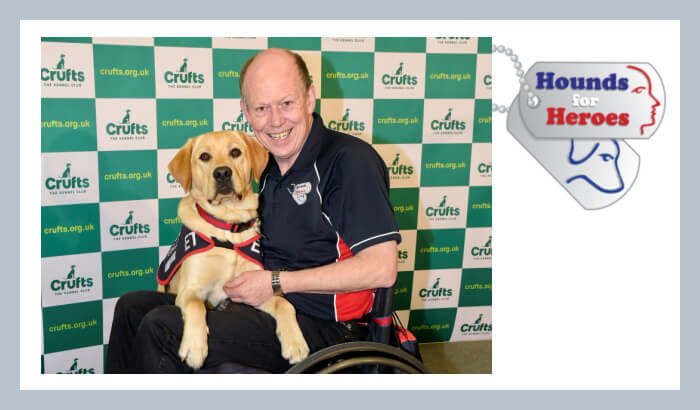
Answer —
190 242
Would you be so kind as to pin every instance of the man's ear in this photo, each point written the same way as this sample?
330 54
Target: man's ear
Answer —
258 156
179 166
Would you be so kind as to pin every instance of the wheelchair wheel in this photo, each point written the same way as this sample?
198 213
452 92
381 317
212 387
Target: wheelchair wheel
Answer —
359 357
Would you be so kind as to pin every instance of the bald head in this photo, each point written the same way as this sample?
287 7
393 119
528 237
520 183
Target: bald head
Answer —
275 57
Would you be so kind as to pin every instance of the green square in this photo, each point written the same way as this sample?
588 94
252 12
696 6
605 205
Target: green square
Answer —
295 43
479 212
432 325
347 75
445 164
476 287
402 290
67 39
169 223
227 71
405 203
204 42
68 124
69 229
398 122
485 46
127 175
439 249
124 71
179 120
450 75
124 271
482 121
72 326
400 44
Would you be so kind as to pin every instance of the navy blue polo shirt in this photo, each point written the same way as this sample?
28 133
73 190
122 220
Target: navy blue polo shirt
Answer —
331 204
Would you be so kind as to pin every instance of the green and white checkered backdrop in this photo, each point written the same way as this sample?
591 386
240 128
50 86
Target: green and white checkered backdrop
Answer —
114 111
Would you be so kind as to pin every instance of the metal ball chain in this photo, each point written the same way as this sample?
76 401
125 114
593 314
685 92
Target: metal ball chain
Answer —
532 100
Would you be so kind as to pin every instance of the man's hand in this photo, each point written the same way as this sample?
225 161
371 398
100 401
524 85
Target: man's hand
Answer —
252 287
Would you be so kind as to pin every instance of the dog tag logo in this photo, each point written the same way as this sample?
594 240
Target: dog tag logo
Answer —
299 191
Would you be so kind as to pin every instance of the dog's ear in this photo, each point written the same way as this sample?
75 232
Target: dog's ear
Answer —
258 156
179 166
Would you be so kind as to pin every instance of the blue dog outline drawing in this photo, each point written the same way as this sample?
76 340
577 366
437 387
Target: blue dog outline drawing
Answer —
605 156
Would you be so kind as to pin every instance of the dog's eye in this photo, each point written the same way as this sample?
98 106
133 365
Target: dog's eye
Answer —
205 156
235 152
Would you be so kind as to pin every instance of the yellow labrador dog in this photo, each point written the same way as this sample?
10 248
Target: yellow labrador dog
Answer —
219 238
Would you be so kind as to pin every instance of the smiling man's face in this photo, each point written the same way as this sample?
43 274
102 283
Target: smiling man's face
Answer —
277 106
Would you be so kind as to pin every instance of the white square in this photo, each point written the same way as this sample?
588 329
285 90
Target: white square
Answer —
407 250
403 162
350 116
457 45
477 248
69 178
87 360
168 187
481 168
67 70
443 207
126 124
107 317
435 288
347 44
313 64
473 323
129 224
399 75
448 121
228 115
483 76
71 279
184 72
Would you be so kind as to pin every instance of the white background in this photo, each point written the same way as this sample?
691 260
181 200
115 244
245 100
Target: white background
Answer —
582 299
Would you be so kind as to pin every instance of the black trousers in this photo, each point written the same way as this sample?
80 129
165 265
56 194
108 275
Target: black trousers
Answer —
147 329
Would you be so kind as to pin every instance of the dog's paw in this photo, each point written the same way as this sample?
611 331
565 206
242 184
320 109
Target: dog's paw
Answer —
294 347
193 348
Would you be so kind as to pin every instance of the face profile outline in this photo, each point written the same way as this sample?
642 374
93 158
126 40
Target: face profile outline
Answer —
605 157
639 90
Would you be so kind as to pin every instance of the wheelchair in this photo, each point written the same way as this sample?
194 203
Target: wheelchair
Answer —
377 356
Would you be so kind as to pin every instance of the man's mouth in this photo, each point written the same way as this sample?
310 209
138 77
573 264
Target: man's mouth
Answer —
280 136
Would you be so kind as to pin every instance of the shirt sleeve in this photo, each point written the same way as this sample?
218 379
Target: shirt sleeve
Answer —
357 200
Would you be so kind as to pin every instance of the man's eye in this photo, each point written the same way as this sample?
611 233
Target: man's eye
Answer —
205 156
259 109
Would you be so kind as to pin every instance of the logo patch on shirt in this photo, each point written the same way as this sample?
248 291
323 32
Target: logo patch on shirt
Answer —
299 191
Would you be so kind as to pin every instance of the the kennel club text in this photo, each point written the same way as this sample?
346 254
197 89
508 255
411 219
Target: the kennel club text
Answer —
559 116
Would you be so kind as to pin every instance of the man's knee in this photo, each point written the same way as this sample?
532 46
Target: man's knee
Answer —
161 321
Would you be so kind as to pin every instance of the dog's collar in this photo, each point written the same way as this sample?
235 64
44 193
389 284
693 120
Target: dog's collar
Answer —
225 225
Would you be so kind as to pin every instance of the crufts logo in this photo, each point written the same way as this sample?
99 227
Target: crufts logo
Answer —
476 327
126 127
66 184
399 78
183 76
71 283
448 123
75 369
435 292
483 251
398 169
346 124
239 124
442 209
129 228
60 74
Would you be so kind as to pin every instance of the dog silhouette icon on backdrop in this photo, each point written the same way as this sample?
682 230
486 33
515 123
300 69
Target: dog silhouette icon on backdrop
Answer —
400 69
66 173
130 218
61 63
183 67
127 117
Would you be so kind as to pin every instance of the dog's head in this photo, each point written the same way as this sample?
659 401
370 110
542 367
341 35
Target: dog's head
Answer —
219 166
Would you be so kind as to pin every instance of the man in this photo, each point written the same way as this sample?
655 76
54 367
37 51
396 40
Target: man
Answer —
329 238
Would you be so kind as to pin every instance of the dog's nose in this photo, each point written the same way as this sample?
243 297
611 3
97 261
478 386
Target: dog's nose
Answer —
222 174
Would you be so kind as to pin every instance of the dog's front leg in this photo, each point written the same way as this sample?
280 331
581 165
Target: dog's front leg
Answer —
294 347
193 347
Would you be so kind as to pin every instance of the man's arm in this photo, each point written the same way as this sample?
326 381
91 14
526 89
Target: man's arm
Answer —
372 267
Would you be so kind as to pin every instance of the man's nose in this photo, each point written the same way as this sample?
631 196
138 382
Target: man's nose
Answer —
276 118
